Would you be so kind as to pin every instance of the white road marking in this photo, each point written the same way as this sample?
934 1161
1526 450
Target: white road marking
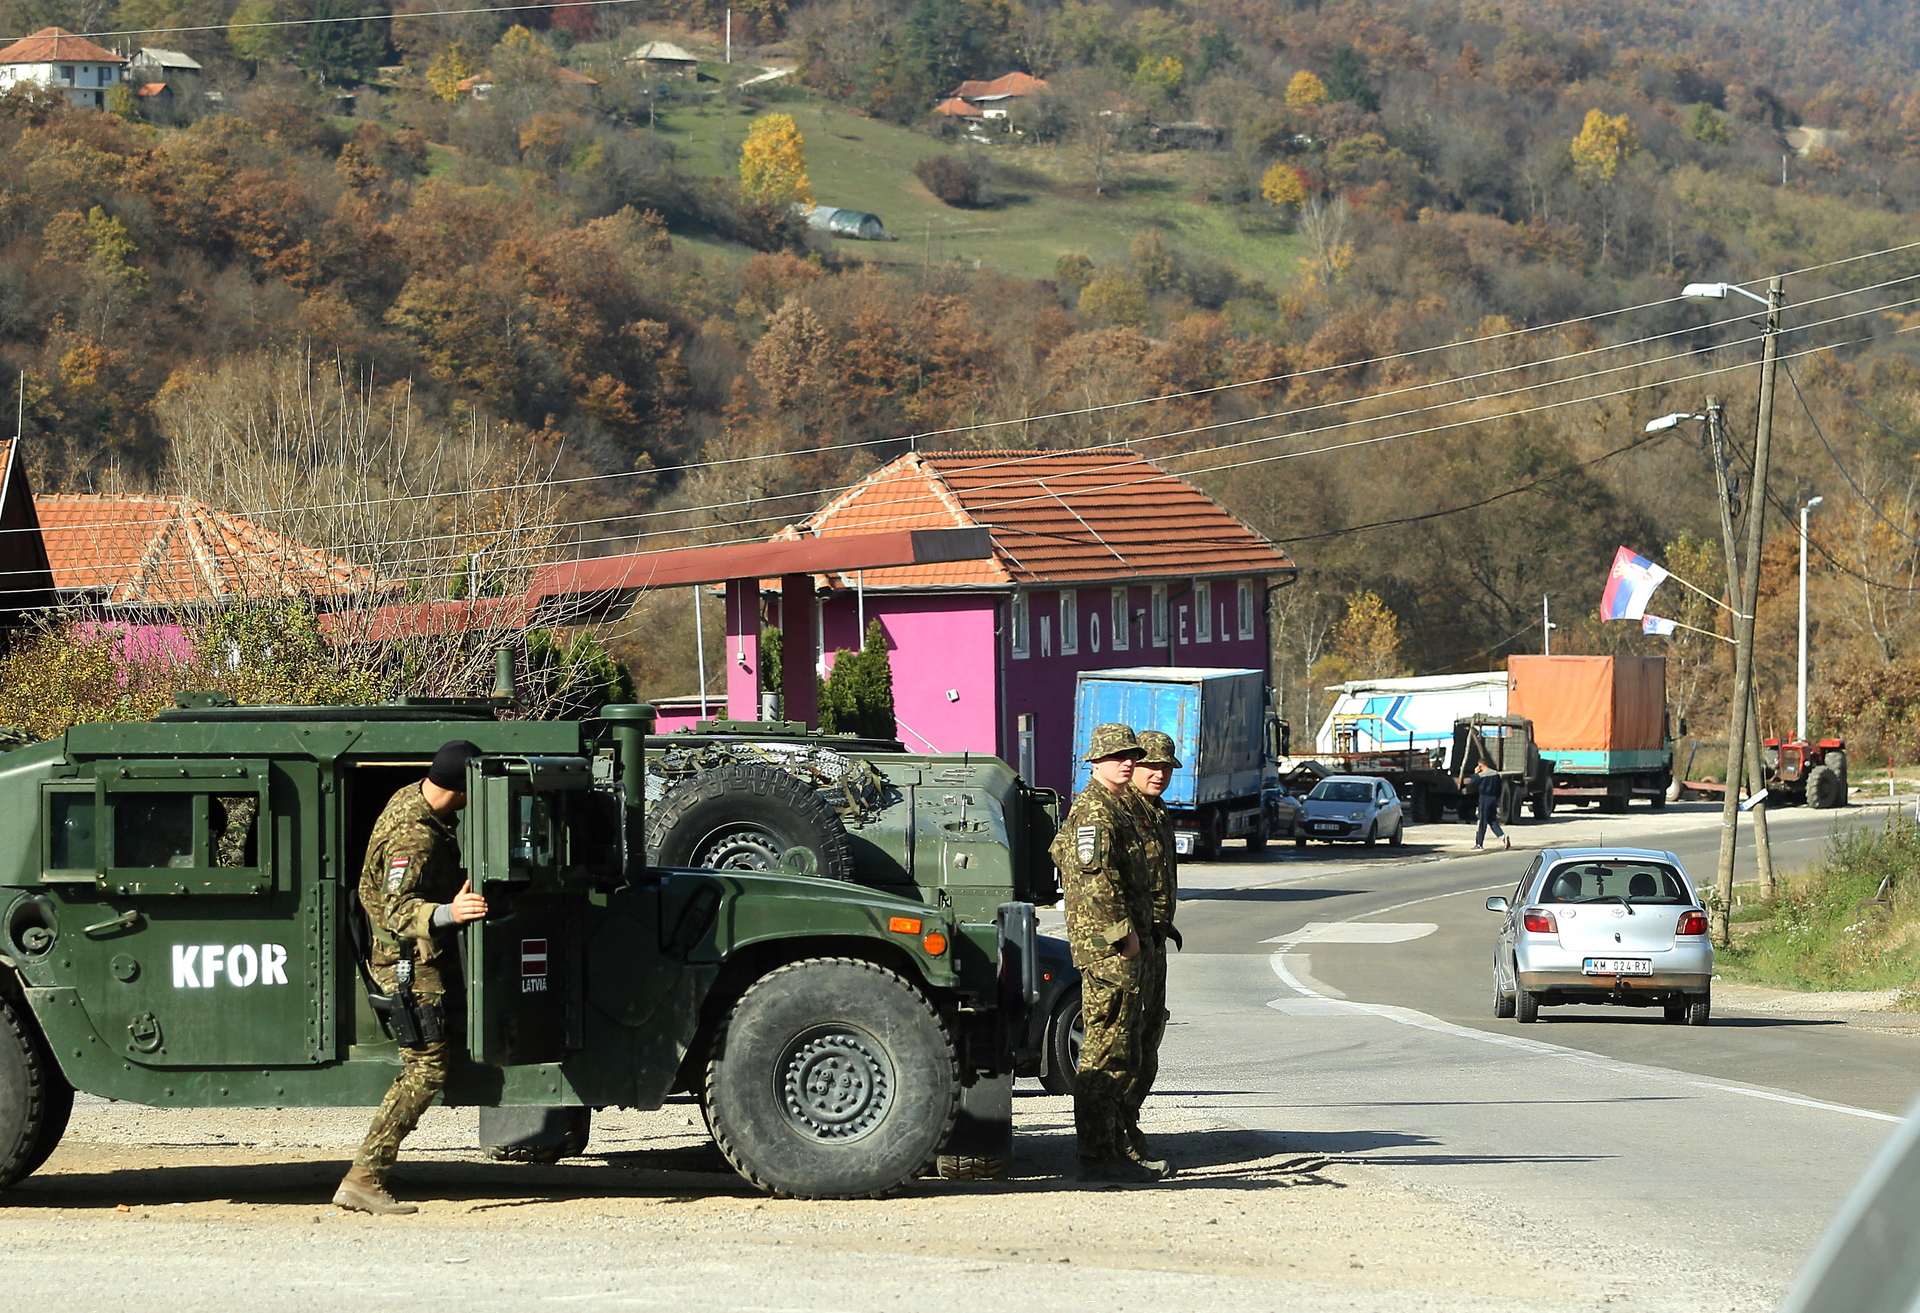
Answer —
1356 932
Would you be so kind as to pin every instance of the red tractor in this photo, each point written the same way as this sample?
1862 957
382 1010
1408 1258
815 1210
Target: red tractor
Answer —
1811 774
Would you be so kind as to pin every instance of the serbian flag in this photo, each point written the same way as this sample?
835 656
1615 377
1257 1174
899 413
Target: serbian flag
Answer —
1653 624
1630 584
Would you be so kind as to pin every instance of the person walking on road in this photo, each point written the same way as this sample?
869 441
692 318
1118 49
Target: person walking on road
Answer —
1490 785
1151 775
414 895
1100 853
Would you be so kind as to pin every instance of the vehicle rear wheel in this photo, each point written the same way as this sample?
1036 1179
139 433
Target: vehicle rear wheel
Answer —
1542 803
1613 803
1823 786
1699 1009
1257 836
1659 800
1526 1007
1064 1033
1466 810
1502 1000
1838 760
833 1079
34 1098
749 817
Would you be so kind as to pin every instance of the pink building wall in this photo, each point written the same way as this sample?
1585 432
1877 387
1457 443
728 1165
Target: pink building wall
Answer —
942 649
962 643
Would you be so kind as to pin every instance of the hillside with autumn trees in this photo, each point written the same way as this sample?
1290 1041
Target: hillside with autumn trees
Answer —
1404 305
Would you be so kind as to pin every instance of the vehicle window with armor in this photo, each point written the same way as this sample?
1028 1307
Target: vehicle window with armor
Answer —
153 829
1615 882
231 828
70 827
1341 791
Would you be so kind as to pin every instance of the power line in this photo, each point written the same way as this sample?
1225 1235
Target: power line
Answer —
359 18
1845 473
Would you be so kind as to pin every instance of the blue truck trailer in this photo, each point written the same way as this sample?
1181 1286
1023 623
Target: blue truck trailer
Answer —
1228 742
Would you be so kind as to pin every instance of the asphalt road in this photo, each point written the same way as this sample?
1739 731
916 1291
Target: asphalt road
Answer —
1723 1149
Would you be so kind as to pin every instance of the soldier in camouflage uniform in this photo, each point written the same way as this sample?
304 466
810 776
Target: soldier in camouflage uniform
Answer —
1151 775
414 895
1109 921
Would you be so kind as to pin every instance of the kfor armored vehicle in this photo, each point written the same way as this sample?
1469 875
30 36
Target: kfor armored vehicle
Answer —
179 927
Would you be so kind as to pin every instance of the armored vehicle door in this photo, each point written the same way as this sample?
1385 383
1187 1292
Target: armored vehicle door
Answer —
193 935
536 838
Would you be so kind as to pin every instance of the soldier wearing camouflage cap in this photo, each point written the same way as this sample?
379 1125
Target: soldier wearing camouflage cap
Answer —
1151 775
1100 851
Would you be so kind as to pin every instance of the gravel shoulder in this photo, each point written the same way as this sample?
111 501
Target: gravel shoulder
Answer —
202 1199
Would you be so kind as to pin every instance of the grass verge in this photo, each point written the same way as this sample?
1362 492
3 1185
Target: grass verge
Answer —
1819 937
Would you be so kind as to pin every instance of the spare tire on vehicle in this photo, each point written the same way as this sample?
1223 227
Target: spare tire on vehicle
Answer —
749 817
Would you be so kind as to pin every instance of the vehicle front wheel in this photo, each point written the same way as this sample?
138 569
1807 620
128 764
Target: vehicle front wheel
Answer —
1299 841
833 1079
1064 1033
34 1098
1699 1009
1399 834
1372 836
1526 1007
1257 836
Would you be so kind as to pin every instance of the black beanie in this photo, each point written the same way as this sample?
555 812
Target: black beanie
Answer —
449 769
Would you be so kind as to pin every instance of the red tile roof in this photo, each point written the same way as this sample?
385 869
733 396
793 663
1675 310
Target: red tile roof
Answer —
958 108
384 624
1105 514
55 45
135 550
1010 84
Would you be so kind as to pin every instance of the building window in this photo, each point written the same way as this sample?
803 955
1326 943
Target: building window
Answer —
1157 615
1069 622
66 74
1022 635
1093 629
1246 608
1122 622
1046 635
1202 612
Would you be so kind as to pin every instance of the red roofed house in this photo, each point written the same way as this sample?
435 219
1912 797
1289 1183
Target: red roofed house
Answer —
55 57
1101 559
125 551
958 109
993 99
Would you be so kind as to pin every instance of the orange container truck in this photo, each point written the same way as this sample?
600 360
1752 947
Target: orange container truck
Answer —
1602 720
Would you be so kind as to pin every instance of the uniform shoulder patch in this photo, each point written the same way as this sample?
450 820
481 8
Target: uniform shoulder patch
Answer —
1086 843
396 873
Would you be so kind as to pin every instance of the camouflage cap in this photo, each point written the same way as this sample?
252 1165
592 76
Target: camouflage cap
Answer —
1112 741
1158 748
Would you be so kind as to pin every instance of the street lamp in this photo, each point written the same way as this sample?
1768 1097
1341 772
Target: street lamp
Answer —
1718 292
1800 717
1747 601
1666 422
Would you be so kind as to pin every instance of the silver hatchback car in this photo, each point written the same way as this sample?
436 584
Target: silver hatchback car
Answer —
1619 926
1361 807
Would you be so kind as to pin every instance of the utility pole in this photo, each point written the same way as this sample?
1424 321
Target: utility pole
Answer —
1546 626
1749 596
1800 700
729 35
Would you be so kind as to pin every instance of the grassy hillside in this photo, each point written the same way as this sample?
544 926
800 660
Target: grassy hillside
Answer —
865 164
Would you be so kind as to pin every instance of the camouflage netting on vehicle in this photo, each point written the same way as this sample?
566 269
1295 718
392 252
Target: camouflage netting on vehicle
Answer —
853 788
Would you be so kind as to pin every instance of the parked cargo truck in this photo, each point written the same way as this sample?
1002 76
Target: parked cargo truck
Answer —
1602 721
1228 742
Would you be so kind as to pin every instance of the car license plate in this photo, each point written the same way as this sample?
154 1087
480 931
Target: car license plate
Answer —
1183 842
1618 966
1321 827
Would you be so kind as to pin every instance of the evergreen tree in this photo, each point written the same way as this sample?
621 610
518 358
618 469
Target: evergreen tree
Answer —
857 697
1347 80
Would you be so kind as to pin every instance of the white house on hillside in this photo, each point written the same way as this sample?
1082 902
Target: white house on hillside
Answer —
55 57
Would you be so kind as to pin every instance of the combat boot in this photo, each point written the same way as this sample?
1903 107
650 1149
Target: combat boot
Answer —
362 1193
1121 1171
1138 1151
